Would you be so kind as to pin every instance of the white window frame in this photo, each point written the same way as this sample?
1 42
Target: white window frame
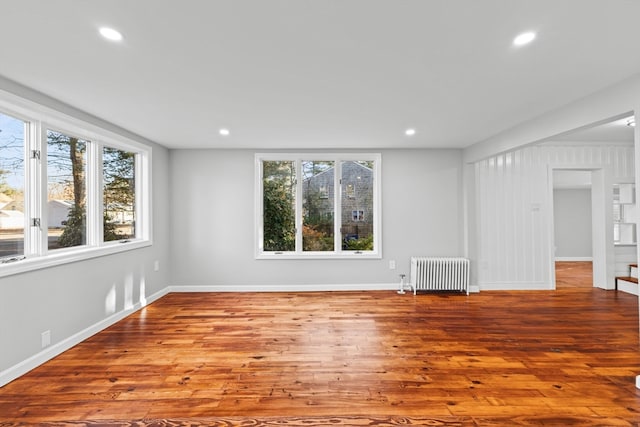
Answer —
38 119
338 252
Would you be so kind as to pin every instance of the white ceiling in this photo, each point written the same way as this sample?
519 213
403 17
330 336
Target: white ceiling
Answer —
318 73
613 131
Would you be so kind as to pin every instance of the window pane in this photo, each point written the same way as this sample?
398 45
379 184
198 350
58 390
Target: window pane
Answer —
66 190
119 196
279 201
357 205
318 206
12 136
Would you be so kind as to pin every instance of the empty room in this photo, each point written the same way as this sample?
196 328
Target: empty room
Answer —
314 212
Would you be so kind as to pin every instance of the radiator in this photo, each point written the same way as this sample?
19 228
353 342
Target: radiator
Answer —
437 274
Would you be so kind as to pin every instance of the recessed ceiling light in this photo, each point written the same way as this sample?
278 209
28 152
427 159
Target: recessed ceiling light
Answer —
410 132
110 34
224 132
524 38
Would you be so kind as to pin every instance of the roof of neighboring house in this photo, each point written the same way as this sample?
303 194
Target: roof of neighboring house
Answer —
65 203
15 214
333 167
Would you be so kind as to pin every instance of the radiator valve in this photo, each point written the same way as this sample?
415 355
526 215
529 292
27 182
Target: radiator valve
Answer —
401 290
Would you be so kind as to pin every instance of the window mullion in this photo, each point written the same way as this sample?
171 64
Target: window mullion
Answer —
94 188
377 234
41 189
337 206
259 202
34 238
299 206
141 227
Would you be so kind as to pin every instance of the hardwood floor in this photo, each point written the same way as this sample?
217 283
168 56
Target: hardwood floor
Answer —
566 357
574 274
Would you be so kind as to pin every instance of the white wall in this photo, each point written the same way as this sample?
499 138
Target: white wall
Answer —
572 224
514 208
212 217
71 299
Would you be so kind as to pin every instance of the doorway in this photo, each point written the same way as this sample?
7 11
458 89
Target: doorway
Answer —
595 172
572 219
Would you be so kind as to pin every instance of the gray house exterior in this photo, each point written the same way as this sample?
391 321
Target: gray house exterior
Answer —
357 198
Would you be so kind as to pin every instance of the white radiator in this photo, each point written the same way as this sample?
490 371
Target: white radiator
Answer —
440 274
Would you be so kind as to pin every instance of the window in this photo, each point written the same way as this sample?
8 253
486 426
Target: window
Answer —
317 228
69 190
324 192
118 194
66 190
279 201
318 206
350 191
12 219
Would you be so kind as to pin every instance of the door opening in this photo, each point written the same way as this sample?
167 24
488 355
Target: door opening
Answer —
572 219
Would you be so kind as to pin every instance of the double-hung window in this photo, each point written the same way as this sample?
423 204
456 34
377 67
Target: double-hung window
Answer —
68 190
318 205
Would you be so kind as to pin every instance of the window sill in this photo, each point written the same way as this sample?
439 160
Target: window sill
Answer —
68 256
317 255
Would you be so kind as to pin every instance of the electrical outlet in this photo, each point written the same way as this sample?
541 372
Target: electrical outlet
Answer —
46 339
156 266
392 264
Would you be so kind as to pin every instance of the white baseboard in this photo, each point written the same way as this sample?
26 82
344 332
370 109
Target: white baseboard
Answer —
573 258
299 288
287 288
515 286
49 353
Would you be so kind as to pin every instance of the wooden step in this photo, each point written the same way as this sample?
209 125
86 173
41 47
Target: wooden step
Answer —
626 279
627 284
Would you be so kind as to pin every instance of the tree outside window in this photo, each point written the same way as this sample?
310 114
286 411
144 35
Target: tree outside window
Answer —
12 220
66 190
118 194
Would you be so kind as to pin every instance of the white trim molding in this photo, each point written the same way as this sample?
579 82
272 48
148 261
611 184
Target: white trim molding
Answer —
520 286
573 258
288 288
